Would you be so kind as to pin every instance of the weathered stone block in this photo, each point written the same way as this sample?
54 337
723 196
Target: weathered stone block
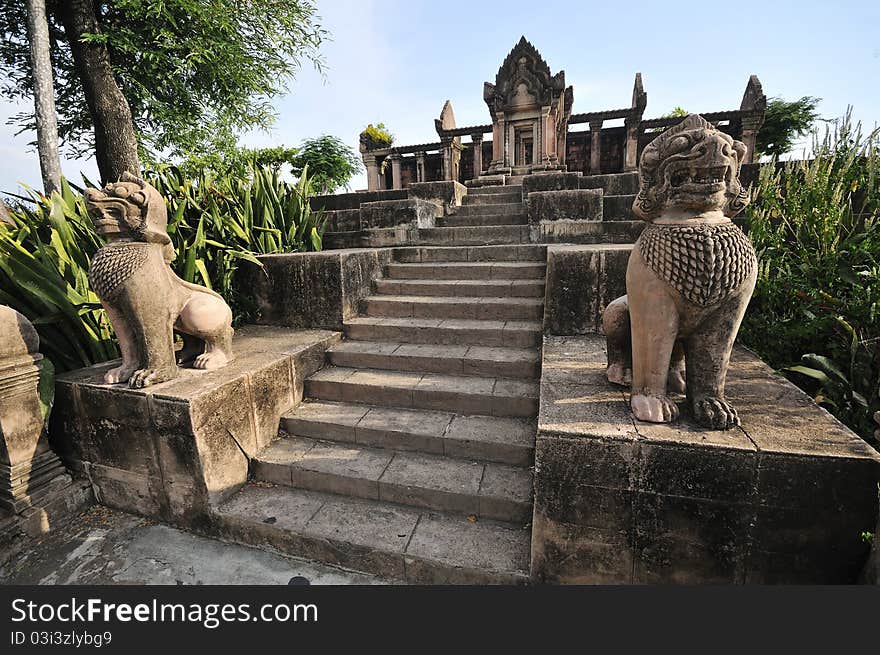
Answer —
581 281
577 554
555 181
783 499
579 205
313 290
448 192
342 220
614 184
391 213
192 438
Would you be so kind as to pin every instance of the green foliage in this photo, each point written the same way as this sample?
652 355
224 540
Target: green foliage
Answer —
784 123
215 221
44 259
237 162
193 72
816 227
376 136
329 161
677 112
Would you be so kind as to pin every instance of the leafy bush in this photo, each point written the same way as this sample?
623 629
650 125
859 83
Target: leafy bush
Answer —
376 136
330 162
816 308
214 221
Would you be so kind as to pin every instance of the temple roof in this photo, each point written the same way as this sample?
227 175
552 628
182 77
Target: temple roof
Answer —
523 65
522 49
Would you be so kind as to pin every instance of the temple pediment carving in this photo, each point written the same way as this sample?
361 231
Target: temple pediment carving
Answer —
523 79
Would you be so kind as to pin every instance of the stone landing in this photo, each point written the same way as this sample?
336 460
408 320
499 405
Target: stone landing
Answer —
784 499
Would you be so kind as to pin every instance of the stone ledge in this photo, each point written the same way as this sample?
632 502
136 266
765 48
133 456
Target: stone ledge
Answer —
577 205
784 499
581 281
550 181
174 449
447 192
313 289
392 213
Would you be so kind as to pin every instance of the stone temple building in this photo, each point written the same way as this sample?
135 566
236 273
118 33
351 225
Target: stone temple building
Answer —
532 129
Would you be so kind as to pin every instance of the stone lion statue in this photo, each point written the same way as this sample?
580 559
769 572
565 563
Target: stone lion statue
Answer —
144 299
689 279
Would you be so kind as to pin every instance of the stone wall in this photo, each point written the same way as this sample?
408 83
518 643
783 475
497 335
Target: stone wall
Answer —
313 290
581 281
414 212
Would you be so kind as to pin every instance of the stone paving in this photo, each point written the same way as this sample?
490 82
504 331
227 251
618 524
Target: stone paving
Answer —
104 546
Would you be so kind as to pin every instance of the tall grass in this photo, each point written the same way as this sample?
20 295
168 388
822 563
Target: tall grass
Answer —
215 222
816 309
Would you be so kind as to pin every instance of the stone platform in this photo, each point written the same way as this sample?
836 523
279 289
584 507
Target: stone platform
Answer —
175 449
784 499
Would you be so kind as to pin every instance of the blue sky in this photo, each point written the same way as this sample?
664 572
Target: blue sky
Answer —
397 62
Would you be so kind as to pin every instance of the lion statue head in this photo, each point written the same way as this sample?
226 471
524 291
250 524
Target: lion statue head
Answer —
130 210
692 166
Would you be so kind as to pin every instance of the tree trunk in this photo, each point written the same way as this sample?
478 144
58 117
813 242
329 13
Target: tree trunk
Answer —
44 96
115 142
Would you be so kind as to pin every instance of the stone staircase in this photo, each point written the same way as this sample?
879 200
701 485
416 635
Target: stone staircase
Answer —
488 215
410 456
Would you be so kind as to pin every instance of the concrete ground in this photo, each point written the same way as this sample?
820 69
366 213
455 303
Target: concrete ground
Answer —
104 546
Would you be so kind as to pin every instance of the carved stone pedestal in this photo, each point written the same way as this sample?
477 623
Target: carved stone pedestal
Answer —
29 470
174 449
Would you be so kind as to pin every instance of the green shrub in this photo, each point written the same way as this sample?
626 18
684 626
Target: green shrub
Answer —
215 222
376 136
816 308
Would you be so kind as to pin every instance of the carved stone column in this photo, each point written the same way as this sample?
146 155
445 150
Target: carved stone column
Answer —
372 172
630 156
595 147
455 158
750 127
420 166
28 467
446 158
548 138
498 140
477 140
395 171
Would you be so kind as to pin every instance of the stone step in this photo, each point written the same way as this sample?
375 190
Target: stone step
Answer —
525 252
487 438
451 393
618 208
507 209
467 307
495 190
449 359
513 334
456 220
506 196
612 183
484 235
426 481
432 287
468 270
401 543
340 240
